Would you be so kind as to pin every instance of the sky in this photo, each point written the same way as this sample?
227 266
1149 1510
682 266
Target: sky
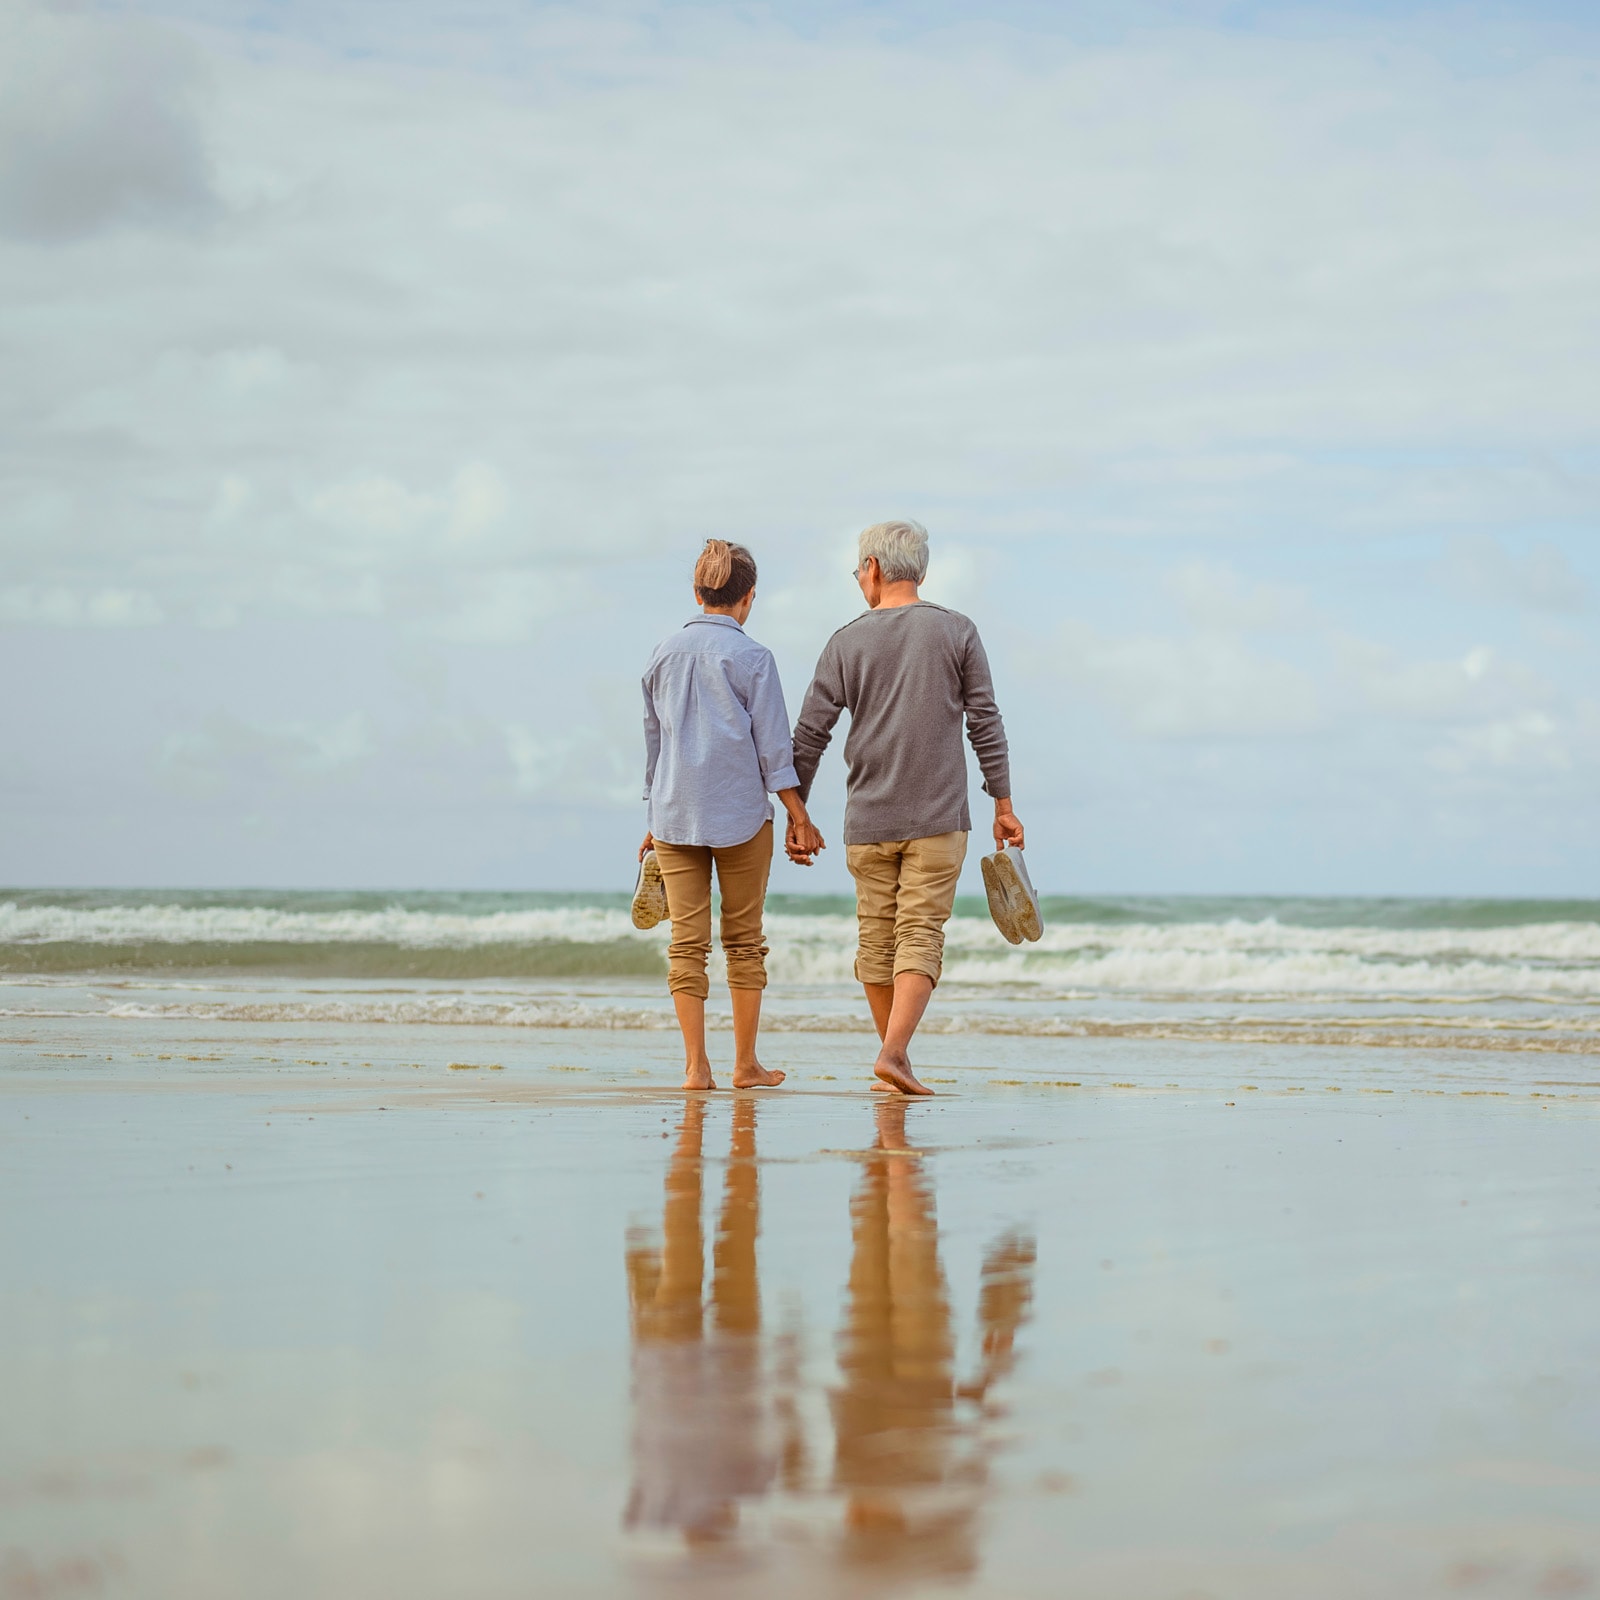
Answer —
370 375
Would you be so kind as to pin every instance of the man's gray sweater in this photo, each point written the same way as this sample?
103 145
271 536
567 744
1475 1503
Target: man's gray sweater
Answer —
907 675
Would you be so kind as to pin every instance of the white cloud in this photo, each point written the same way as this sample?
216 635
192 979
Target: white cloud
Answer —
1216 597
1539 578
229 752
581 767
245 371
316 592
1167 687
794 619
233 495
1528 742
1481 685
478 500
507 607
60 607
957 575
374 506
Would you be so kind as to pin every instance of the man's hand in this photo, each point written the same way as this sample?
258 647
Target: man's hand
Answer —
801 841
1007 826
649 844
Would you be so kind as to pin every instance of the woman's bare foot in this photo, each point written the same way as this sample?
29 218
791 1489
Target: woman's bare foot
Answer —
756 1076
894 1075
698 1076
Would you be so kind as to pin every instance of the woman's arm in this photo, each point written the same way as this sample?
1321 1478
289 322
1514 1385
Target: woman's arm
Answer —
801 840
652 740
652 755
769 727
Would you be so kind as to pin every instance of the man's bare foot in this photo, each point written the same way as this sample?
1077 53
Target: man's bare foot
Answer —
757 1076
699 1077
895 1076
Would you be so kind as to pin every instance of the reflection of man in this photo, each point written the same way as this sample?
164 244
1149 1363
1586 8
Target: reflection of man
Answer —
908 1452
703 1426
909 673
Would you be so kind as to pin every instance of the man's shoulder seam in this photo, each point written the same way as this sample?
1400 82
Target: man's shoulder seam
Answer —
948 611
850 624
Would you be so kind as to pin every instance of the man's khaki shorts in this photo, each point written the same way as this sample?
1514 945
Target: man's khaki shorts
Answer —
905 892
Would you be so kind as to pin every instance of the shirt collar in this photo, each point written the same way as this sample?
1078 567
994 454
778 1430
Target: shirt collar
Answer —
715 616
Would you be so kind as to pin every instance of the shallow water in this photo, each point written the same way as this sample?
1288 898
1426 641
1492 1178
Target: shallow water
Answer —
273 1320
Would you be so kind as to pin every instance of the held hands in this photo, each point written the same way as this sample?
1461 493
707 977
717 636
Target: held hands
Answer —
801 841
1007 826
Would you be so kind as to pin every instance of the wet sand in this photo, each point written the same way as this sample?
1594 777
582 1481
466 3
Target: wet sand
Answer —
275 1320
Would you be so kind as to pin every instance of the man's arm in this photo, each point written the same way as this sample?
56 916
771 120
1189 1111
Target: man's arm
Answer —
986 732
769 723
823 703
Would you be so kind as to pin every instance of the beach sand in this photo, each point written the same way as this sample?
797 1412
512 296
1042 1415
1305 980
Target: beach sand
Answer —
299 1312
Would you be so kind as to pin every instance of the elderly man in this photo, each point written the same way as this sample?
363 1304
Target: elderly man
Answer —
908 672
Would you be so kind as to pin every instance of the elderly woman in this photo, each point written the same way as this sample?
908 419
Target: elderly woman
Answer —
716 746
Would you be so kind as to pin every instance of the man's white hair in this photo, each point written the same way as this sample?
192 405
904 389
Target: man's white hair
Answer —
899 548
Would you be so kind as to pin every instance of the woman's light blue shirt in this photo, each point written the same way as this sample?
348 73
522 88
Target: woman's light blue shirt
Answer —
716 735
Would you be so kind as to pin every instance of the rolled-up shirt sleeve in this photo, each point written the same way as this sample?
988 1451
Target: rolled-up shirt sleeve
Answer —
769 727
652 740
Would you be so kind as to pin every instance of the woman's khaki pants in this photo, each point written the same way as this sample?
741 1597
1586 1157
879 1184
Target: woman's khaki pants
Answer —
742 871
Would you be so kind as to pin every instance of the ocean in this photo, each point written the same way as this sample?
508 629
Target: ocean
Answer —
1505 975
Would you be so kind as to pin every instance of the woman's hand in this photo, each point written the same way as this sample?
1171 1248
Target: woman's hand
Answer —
802 841
649 844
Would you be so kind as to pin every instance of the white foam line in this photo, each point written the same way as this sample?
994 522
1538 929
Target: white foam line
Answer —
1423 1033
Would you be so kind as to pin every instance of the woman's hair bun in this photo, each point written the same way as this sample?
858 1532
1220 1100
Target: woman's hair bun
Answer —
724 574
715 565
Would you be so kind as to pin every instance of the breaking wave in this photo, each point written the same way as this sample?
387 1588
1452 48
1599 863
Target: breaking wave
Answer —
1088 949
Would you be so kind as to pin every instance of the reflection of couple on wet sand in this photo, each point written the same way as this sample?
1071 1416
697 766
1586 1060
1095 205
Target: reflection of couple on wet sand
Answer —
717 745
716 1418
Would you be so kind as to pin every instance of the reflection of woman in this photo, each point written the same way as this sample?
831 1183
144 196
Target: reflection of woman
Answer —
717 745
703 1425
908 1451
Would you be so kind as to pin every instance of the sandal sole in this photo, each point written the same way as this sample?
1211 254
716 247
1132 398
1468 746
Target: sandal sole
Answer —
650 894
1012 907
